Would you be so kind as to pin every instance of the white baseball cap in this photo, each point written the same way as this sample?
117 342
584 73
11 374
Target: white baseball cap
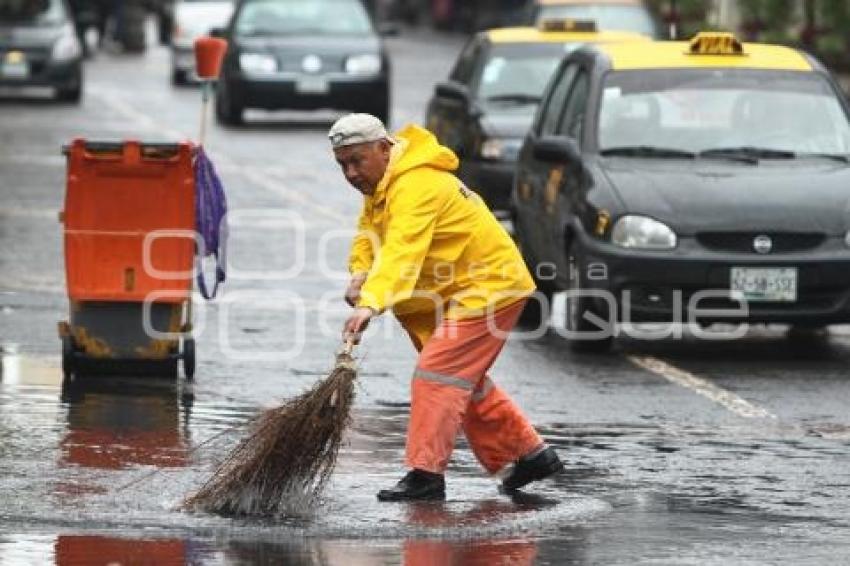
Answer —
357 128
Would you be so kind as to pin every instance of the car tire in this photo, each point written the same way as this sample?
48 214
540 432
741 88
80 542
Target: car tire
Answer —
165 23
539 307
228 111
73 94
189 358
68 368
178 77
578 308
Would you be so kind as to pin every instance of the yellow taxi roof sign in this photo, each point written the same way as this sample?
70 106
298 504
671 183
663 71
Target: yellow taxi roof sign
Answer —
566 24
715 43
533 34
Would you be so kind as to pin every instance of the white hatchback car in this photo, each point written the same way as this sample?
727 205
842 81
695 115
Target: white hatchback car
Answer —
193 19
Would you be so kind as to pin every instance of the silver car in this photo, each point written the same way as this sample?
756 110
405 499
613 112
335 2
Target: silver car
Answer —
193 19
39 48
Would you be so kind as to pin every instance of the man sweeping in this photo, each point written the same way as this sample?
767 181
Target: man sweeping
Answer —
428 249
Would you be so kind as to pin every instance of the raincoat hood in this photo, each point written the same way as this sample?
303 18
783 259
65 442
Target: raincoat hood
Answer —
415 147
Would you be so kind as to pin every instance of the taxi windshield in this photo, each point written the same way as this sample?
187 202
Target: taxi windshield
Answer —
31 12
712 110
518 74
296 17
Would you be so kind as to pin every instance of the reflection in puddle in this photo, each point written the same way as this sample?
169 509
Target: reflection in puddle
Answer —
115 423
411 552
79 549
76 550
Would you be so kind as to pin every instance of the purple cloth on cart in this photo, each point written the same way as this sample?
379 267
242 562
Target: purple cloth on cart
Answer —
210 221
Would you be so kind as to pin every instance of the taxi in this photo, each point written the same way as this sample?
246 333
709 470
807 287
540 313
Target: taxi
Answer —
691 182
485 107
630 15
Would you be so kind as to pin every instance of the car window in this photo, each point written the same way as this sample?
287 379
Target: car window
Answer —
518 72
607 16
572 119
465 67
288 17
704 109
32 12
555 104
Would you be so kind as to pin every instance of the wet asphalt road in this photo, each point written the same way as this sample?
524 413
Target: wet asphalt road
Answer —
678 451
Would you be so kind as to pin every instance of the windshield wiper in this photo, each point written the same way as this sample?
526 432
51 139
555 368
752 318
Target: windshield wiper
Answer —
648 151
748 153
842 157
258 32
517 98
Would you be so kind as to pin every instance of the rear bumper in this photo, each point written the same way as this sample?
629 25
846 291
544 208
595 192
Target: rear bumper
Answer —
690 284
343 92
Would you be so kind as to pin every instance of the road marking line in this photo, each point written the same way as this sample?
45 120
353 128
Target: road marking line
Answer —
140 119
20 212
731 401
40 160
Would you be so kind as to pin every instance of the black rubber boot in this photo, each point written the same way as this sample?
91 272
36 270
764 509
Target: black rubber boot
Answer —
529 469
417 485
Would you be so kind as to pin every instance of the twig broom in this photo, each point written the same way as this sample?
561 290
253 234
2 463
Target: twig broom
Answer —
290 453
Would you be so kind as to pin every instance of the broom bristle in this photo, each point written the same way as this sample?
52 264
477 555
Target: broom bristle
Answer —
288 457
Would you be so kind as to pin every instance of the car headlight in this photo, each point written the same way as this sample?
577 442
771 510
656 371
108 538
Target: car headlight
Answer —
67 47
257 63
501 149
643 233
363 65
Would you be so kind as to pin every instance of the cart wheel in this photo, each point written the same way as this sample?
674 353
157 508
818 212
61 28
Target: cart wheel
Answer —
67 358
189 358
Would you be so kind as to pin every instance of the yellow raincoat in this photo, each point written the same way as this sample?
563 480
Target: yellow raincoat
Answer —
431 245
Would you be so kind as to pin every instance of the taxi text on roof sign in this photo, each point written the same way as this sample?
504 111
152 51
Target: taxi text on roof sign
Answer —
568 25
716 43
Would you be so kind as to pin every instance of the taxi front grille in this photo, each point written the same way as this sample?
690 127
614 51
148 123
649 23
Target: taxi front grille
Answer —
744 242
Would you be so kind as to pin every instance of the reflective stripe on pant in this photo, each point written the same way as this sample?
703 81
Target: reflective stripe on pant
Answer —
451 392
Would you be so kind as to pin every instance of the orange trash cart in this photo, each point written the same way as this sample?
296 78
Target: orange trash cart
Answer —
129 226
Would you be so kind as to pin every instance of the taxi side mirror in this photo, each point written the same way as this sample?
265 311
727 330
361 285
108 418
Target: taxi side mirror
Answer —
556 149
452 90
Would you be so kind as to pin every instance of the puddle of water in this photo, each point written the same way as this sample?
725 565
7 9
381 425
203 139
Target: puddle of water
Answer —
73 549
105 462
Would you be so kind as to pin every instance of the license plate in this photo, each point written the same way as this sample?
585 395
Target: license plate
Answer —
764 284
312 85
17 71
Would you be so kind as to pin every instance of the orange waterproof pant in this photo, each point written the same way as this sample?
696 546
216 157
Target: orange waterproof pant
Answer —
452 391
